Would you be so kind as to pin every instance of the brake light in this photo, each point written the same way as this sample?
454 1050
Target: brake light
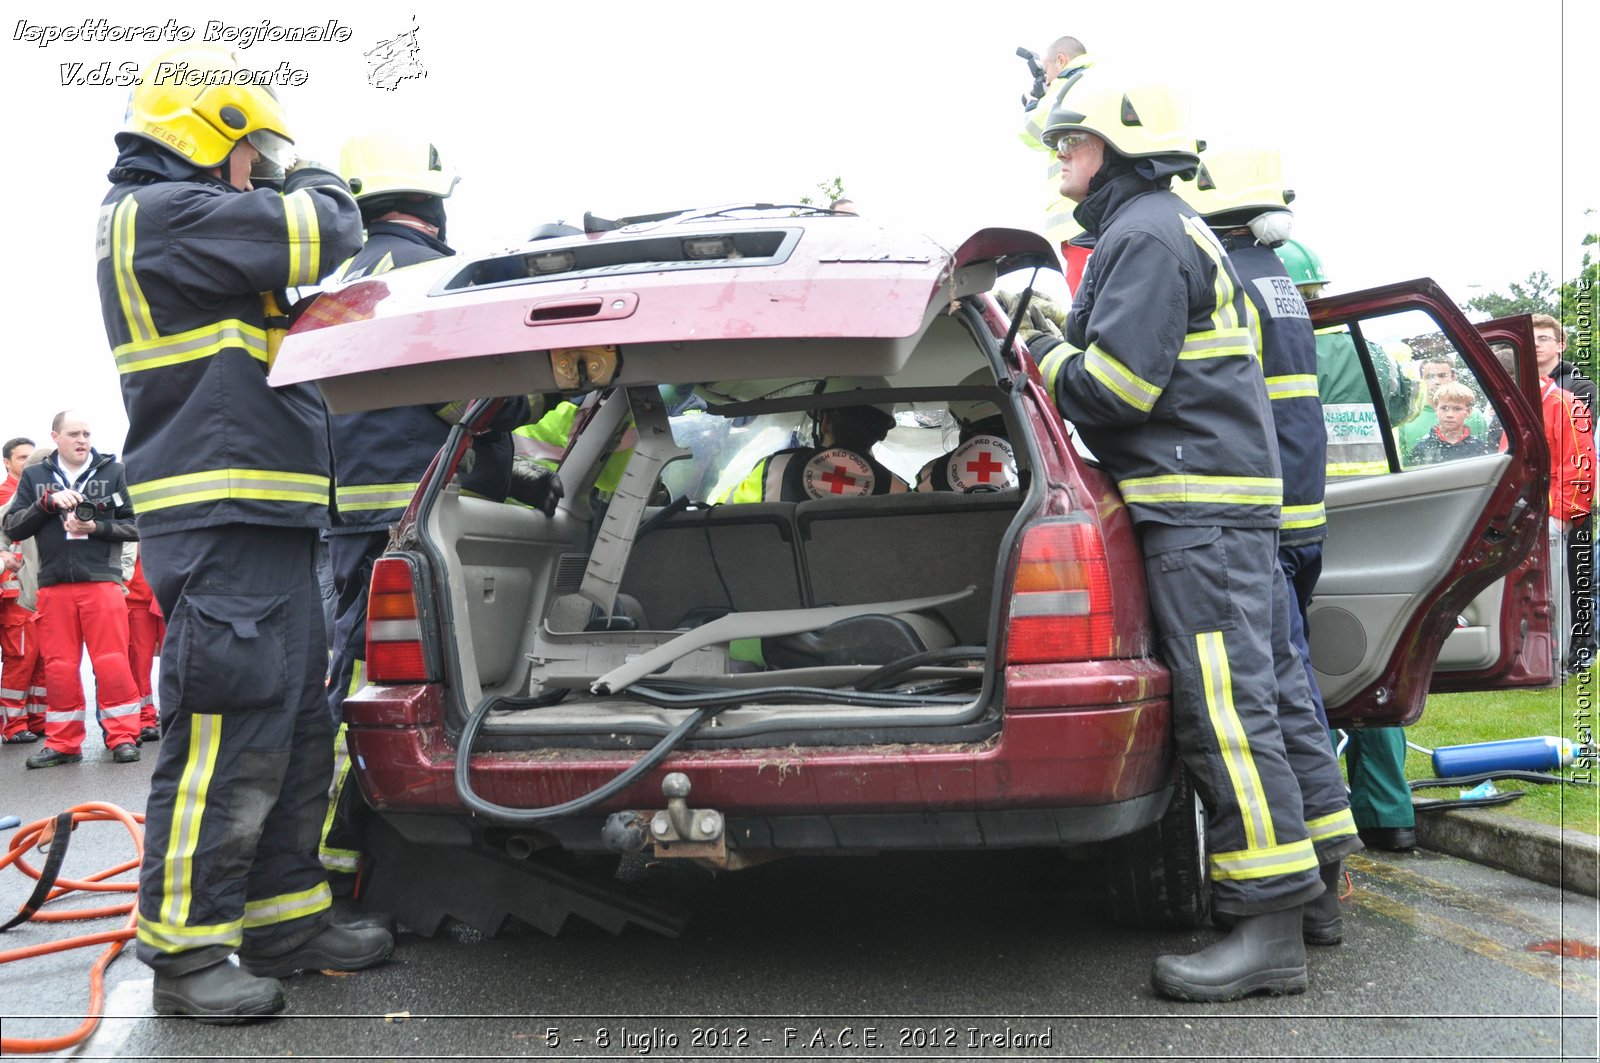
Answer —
1061 596
395 652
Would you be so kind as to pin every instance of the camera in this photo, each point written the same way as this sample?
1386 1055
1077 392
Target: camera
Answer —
88 510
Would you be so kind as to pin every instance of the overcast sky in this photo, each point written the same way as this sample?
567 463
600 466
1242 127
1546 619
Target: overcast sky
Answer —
1423 138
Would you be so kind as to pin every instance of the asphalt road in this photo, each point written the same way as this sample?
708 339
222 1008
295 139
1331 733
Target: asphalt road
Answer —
931 957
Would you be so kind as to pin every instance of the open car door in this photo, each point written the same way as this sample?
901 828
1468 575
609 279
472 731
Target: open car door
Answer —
1429 549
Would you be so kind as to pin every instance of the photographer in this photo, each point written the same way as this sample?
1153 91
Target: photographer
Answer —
75 505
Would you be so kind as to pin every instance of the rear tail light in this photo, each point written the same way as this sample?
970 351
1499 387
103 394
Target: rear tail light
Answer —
1061 596
395 653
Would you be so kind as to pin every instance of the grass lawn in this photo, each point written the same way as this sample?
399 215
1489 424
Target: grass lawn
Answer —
1490 716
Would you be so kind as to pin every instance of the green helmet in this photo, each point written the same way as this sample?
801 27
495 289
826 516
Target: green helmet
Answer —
1302 263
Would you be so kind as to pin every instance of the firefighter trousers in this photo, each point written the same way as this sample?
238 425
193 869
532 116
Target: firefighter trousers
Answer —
73 616
240 787
1243 716
1302 567
351 556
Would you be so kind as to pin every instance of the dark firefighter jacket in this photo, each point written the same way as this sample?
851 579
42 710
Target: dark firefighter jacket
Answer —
183 262
95 559
1159 370
1288 346
379 456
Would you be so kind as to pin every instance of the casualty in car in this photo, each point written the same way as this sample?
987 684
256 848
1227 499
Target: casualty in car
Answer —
758 641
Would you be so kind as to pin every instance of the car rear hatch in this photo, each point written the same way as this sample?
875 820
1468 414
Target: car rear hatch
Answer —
640 605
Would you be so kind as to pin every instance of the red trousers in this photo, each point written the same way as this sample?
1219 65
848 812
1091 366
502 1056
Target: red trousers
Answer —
22 677
72 616
145 629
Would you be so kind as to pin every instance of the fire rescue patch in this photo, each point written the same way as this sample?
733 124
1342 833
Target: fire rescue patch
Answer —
837 472
982 463
1282 298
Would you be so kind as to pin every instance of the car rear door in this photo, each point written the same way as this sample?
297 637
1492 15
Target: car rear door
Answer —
1418 543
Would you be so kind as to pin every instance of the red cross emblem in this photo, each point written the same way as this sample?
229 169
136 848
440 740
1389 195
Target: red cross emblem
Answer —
837 480
985 466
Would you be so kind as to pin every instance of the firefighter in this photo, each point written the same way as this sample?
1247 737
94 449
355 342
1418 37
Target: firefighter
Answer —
1375 757
1240 195
379 456
1158 373
230 479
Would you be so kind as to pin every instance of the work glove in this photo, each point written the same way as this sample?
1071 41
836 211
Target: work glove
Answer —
535 485
308 174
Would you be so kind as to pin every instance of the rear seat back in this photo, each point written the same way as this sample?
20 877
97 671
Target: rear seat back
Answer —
907 546
672 571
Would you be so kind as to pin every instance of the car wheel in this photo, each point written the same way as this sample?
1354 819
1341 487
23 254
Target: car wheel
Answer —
1159 877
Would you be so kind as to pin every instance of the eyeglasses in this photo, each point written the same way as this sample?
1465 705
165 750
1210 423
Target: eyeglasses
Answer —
1545 339
1070 142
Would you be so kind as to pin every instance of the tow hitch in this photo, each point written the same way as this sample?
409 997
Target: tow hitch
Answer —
676 832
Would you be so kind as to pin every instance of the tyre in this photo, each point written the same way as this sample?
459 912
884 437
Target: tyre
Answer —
1159 877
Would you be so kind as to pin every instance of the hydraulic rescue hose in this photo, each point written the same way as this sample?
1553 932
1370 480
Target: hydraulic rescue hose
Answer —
53 835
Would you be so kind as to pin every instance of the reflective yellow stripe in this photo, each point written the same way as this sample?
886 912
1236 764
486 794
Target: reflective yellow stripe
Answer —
1201 490
305 238
167 937
188 346
1050 366
333 858
205 739
1308 516
1120 380
1293 386
1357 468
1232 742
373 496
1216 343
1333 826
287 906
208 486
1286 859
140 324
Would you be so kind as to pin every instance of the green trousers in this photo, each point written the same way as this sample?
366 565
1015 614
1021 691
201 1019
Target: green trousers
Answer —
1379 796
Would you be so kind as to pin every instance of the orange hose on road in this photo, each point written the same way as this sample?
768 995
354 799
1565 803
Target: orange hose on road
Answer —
39 833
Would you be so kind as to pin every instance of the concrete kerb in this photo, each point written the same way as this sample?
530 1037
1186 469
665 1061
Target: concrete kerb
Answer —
1565 858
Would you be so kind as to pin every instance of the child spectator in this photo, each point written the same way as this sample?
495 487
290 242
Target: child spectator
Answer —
1450 438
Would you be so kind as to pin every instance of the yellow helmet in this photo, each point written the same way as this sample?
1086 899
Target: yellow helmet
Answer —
382 164
1244 181
1137 115
188 103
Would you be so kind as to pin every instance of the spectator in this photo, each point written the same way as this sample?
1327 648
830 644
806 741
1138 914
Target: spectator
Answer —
76 503
17 452
22 681
1451 438
1549 344
1436 371
1568 431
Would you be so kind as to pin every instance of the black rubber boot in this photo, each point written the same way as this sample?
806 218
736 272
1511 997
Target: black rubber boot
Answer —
348 913
1321 921
1262 954
220 994
336 948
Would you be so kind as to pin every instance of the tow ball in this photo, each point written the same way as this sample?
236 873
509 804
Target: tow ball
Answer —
676 832
684 832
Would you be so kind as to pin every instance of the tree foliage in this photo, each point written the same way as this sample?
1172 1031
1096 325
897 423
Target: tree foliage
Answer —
831 191
1538 295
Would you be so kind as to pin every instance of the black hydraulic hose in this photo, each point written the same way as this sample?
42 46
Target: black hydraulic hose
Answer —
1485 777
874 680
517 817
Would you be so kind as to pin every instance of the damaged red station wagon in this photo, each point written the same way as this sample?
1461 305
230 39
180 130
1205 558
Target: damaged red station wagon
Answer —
651 671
